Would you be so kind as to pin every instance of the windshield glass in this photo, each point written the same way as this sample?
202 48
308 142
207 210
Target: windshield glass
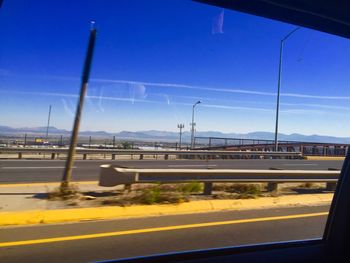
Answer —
198 127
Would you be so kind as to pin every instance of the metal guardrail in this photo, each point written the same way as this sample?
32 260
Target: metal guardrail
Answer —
142 153
112 176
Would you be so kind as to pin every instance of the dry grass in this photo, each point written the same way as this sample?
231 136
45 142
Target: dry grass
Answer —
307 185
238 191
67 193
156 194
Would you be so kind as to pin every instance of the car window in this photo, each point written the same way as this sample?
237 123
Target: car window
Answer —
201 127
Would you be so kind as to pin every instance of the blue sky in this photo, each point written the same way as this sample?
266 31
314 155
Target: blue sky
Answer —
154 59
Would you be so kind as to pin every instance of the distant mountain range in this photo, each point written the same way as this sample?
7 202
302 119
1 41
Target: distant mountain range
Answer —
162 136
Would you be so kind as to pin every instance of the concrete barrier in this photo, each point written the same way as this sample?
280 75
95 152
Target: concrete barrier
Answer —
112 176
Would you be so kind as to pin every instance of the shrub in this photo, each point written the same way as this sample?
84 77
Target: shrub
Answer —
193 187
150 196
126 145
160 194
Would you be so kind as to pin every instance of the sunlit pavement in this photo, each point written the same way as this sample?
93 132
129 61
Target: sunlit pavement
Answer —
20 171
147 235
101 240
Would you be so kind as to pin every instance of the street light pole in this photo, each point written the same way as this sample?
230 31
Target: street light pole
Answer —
193 124
279 84
84 83
180 126
48 124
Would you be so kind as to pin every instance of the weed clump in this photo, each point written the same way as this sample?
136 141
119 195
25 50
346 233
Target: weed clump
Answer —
240 191
193 187
163 194
155 196
307 185
64 193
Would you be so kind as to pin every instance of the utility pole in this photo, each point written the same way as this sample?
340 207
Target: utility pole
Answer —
193 124
48 124
84 83
180 126
279 84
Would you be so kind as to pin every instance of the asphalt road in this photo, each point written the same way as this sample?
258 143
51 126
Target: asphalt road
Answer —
160 240
16 171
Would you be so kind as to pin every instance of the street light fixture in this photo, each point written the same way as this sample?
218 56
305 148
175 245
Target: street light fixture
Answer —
193 124
180 126
279 84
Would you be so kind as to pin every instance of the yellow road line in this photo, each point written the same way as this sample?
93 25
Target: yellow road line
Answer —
156 229
44 184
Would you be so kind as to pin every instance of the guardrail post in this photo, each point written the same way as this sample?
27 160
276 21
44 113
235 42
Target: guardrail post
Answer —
53 156
19 155
208 187
272 187
331 186
84 156
141 156
166 156
113 156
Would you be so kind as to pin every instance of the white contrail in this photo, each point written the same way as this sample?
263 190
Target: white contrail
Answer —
302 111
194 87
76 96
241 91
296 95
132 100
322 106
69 110
156 84
39 93
235 107
174 85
